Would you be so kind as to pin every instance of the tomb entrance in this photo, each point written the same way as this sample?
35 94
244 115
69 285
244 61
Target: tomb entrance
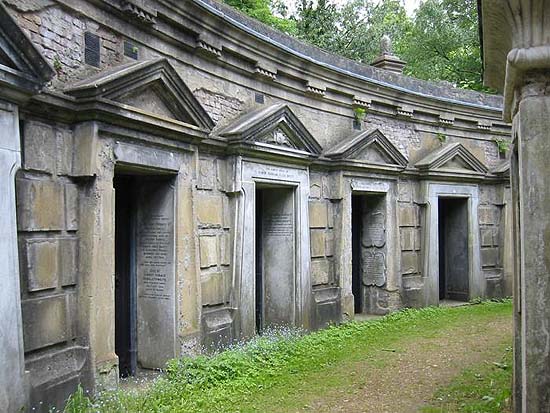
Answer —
145 306
369 250
454 267
275 256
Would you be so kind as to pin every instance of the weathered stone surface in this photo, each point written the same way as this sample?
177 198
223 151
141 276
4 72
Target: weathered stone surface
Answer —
155 274
487 215
405 191
317 240
45 321
374 267
409 262
329 244
207 174
487 237
39 205
318 214
320 271
489 257
42 269
374 229
213 288
71 207
208 251
407 216
407 239
331 214
64 151
225 248
68 261
39 146
209 209
216 325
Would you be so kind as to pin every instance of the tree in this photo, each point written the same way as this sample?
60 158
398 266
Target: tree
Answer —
443 43
262 10
440 42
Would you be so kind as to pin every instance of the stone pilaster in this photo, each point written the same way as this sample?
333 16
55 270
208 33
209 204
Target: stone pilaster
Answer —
12 381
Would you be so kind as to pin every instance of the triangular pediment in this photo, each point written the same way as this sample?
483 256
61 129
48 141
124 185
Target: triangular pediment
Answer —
370 147
452 158
152 87
22 66
275 127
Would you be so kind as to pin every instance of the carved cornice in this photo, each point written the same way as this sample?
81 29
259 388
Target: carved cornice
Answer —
137 10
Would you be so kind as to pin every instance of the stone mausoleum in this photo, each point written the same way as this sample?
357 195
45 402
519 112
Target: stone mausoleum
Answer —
175 176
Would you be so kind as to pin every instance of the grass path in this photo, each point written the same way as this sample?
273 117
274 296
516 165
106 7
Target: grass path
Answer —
406 362
400 378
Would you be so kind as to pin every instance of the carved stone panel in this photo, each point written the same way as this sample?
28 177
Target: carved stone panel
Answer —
155 275
374 230
374 268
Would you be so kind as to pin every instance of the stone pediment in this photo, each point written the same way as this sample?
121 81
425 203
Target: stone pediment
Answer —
272 127
22 67
369 147
152 86
454 158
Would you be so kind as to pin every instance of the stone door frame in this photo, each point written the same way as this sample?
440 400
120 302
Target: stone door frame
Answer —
370 186
253 173
98 243
431 192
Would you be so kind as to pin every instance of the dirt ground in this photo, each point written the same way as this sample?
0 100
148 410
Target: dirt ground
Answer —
404 378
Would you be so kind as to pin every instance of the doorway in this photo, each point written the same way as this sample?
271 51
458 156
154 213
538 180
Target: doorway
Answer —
368 235
125 275
454 262
145 308
275 252
356 230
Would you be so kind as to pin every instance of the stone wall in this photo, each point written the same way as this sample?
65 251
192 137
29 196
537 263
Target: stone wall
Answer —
215 248
48 232
411 232
491 220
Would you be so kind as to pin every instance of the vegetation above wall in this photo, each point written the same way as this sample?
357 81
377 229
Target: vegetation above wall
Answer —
439 41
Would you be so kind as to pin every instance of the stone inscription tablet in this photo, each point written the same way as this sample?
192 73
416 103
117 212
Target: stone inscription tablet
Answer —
374 268
155 240
155 269
374 231
278 224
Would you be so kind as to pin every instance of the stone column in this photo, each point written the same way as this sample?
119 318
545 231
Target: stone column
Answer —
532 171
12 364
516 57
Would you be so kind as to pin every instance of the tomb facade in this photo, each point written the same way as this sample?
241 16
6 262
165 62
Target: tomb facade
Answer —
177 177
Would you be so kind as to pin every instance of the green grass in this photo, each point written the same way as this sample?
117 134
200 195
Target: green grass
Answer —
485 388
264 370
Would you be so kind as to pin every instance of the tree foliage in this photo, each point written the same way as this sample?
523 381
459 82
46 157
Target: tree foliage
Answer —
439 42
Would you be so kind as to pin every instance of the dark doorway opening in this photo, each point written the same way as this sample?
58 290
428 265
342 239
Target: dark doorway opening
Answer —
356 230
125 274
275 265
368 250
454 264
145 309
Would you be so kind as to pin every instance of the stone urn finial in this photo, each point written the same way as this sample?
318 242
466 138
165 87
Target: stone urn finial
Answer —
386 46
387 60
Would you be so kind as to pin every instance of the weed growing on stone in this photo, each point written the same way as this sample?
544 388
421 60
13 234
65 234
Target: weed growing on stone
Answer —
228 380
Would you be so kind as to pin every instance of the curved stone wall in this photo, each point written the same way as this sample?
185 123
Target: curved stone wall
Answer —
240 149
